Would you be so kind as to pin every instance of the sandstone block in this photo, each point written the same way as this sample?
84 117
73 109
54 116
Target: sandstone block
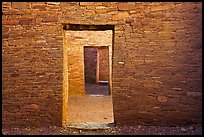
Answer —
32 106
129 20
53 3
161 99
149 15
50 19
101 11
9 22
39 6
100 7
25 21
5 29
120 15
86 3
163 7
90 7
151 84
5 43
194 94
20 5
135 23
126 6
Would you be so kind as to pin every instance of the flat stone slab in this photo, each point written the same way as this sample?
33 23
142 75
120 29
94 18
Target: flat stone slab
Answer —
90 125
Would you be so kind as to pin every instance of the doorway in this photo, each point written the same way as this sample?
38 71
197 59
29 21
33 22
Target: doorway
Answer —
96 70
80 106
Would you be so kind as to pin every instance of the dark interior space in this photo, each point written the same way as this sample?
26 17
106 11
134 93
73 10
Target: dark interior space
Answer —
96 70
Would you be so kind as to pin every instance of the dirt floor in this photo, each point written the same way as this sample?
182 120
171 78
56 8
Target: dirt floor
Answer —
97 89
90 108
116 130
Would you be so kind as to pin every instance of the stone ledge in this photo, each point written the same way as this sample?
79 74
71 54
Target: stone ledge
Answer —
90 125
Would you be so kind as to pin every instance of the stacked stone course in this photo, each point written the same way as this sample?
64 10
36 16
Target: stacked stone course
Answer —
156 60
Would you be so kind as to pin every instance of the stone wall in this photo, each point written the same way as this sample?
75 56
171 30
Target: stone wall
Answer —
90 63
103 64
156 60
31 64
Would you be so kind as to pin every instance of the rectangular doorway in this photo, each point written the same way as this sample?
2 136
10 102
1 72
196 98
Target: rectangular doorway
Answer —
96 70
79 106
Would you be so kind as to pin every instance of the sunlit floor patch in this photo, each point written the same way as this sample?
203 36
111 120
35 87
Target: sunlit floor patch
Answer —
87 111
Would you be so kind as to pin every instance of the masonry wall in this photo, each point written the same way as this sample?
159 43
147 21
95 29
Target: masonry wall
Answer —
103 64
31 64
90 62
156 60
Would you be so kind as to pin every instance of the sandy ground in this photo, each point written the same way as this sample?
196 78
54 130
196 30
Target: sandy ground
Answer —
116 130
90 108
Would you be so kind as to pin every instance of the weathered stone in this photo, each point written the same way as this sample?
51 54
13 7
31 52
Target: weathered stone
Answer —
20 5
120 15
5 36
5 29
151 84
25 21
136 23
129 20
163 8
194 94
100 7
91 7
32 106
53 3
9 22
5 43
126 6
39 6
161 99
149 15
86 3
50 19
101 11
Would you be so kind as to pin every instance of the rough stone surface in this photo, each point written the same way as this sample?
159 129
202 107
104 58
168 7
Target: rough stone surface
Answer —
103 64
90 64
160 51
20 5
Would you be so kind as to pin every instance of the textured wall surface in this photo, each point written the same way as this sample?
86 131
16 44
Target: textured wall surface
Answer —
156 60
103 64
90 63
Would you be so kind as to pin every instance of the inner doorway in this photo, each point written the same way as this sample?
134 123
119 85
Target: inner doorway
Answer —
96 70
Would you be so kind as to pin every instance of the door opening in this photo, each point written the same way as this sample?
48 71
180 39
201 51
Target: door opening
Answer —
81 105
96 70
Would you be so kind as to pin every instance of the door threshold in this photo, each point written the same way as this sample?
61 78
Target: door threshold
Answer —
90 125
97 95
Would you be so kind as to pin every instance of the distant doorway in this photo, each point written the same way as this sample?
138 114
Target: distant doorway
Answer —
96 70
